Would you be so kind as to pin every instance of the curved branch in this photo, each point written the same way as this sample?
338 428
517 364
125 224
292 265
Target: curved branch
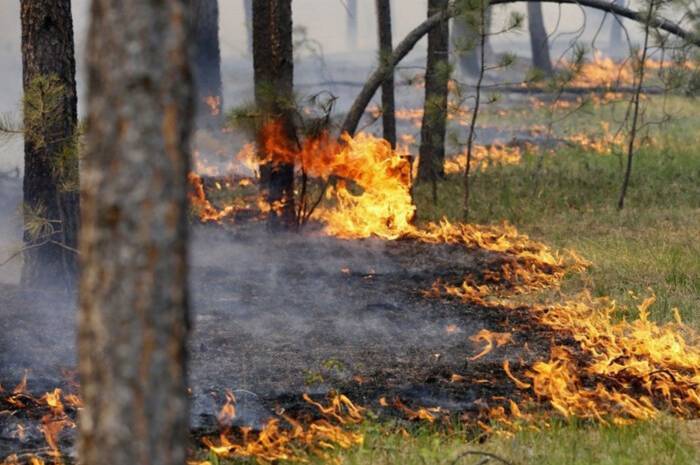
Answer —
406 45
385 69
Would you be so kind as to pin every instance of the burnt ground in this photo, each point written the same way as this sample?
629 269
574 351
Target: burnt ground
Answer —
279 315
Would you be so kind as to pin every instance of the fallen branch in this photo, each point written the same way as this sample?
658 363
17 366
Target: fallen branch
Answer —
480 453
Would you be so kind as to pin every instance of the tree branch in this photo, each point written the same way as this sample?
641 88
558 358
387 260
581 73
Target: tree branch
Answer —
406 45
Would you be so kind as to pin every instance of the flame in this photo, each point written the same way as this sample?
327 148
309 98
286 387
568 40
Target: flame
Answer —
422 413
619 371
214 104
276 442
228 410
604 143
500 339
484 157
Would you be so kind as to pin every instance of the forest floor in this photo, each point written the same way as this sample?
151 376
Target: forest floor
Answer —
567 199
276 330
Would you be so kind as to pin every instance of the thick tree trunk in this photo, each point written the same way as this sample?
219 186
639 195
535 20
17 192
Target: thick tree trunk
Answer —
351 23
273 63
133 317
539 42
51 203
207 64
432 142
385 49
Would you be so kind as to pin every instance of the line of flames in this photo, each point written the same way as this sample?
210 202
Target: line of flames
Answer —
284 438
371 197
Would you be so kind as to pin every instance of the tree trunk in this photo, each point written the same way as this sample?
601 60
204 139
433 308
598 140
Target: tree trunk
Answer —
51 203
133 318
351 23
352 119
273 63
539 42
616 33
248 9
385 49
437 73
465 40
207 64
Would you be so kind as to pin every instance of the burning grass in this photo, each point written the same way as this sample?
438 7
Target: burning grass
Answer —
600 367
617 371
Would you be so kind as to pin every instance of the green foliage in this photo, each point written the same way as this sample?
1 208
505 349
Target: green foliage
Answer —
42 102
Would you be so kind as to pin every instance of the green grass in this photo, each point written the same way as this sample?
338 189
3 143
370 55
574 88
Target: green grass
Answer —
666 441
569 201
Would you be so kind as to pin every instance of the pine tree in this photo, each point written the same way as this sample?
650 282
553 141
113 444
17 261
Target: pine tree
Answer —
207 64
132 328
273 64
385 49
51 199
539 41
432 143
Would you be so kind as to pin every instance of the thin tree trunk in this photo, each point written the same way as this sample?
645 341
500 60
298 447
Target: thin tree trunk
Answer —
51 202
248 9
432 143
616 33
385 49
133 318
636 97
465 39
475 112
273 63
539 42
207 64
351 24
352 119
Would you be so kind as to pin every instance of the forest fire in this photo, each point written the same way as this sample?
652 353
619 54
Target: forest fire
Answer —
617 372
52 417
276 442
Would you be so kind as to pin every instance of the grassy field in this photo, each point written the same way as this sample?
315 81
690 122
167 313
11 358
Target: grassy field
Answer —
664 442
567 199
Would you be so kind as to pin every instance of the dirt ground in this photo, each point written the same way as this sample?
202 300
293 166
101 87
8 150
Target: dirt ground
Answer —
275 316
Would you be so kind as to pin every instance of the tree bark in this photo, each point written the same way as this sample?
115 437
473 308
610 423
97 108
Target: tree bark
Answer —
133 317
248 9
51 192
539 41
273 63
432 144
207 64
351 23
385 49
352 119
